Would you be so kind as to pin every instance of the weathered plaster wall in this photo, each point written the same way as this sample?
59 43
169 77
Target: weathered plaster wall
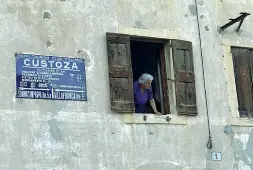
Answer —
44 134
237 141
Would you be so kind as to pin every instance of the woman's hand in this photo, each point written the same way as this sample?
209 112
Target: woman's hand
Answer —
152 103
158 113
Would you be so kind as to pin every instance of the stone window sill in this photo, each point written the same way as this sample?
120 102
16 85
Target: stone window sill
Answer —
246 122
137 118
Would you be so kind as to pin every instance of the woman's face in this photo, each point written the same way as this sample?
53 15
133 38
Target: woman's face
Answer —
147 85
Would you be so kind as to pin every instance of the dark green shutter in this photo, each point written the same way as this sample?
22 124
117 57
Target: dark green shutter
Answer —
184 77
120 73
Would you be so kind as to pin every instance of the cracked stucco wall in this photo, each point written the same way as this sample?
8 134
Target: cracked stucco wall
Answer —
242 144
47 135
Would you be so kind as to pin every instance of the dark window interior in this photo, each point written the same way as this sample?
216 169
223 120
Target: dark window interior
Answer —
146 59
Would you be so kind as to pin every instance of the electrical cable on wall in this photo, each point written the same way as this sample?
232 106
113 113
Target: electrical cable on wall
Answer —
209 144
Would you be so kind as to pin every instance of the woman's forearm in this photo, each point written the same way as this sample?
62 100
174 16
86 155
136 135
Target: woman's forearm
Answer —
153 105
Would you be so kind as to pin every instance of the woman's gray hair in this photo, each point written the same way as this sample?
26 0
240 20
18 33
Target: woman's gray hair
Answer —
144 78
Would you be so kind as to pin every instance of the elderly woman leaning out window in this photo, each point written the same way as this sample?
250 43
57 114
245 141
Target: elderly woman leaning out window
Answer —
143 94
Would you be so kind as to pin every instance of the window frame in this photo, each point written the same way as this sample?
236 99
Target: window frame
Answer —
234 116
151 118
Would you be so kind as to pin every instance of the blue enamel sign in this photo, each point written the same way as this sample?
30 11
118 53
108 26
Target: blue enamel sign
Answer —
50 77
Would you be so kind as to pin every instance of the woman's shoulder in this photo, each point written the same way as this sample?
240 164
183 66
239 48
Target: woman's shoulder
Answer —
136 84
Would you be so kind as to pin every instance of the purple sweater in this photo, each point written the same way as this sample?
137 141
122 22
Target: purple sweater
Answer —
141 99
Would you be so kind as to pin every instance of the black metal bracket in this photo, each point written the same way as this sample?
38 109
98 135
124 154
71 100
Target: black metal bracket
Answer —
144 117
167 118
233 21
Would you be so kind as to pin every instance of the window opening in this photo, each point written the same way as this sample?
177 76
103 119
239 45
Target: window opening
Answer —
145 57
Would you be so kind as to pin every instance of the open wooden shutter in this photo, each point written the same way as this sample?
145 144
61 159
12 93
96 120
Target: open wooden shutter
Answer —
164 76
120 73
184 77
242 60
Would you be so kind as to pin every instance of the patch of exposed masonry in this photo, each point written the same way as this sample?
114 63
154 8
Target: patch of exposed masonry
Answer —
192 9
242 145
138 24
206 28
55 130
49 43
228 130
74 154
46 15
85 55
201 3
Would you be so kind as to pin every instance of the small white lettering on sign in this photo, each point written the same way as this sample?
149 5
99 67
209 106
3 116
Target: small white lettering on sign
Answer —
34 94
50 64
66 96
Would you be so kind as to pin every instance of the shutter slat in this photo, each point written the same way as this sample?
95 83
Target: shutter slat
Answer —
187 77
190 93
184 77
120 73
180 86
189 110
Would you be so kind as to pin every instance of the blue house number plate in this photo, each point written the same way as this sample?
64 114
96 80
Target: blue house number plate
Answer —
50 77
